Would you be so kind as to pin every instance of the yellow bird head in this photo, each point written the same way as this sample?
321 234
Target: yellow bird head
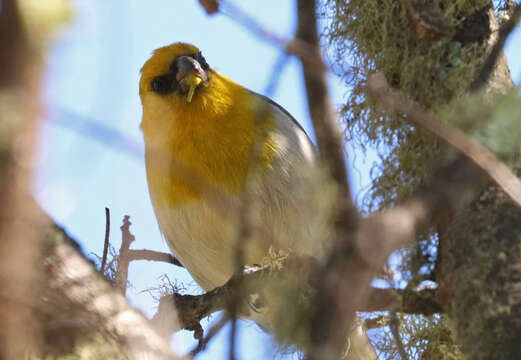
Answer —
197 116
177 69
179 89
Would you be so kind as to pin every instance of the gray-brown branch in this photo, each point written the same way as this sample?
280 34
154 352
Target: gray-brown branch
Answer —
151 255
189 310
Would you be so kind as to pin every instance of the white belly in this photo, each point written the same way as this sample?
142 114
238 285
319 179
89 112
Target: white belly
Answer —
204 241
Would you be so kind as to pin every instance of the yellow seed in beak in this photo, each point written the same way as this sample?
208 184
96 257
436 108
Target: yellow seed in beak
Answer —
193 82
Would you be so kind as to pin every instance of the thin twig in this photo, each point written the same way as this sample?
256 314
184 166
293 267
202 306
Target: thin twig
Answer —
151 255
123 262
394 325
491 60
106 243
192 309
294 46
479 154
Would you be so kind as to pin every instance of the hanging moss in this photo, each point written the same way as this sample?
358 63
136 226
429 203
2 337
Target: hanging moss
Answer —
375 35
365 36
424 337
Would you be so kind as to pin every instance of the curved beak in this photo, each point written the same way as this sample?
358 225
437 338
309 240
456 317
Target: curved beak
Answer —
189 75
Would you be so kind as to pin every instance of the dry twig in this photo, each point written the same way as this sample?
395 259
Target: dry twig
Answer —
153 256
293 46
124 260
107 242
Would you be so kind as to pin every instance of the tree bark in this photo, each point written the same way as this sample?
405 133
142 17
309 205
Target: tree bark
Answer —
479 258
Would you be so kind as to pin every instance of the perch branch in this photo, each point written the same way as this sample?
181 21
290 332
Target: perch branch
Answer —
191 309
406 301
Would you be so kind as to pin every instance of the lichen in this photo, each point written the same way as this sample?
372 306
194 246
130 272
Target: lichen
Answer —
424 337
373 35
365 36
488 272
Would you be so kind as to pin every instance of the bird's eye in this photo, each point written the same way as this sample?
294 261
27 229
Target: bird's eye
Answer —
161 84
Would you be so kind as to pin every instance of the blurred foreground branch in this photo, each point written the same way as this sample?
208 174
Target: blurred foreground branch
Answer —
78 304
295 46
20 236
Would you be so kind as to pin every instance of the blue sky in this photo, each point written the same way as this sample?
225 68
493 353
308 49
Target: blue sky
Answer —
93 72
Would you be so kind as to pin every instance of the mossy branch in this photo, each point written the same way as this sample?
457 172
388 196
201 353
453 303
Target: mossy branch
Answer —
480 155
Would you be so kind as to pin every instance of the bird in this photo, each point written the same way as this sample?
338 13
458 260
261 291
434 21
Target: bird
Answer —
206 122
198 119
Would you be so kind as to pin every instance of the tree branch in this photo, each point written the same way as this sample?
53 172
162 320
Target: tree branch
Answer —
106 242
189 310
491 60
153 256
323 116
124 258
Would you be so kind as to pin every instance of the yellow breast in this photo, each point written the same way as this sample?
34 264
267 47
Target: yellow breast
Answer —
212 135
